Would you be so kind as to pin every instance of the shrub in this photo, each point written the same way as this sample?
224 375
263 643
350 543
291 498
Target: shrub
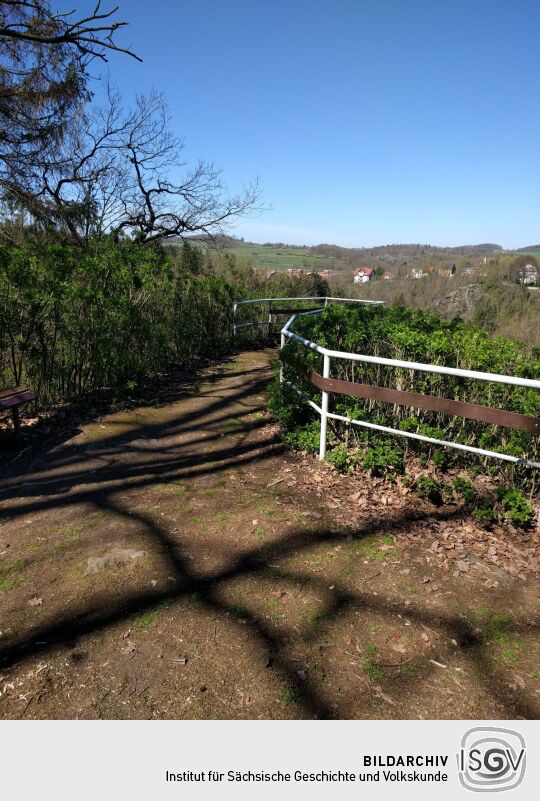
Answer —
340 458
441 459
74 320
427 487
508 505
465 489
515 506
485 514
383 458
422 336
286 407
305 438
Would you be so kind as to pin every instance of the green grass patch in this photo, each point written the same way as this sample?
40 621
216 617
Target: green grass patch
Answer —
10 575
9 584
369 546
494 631
373 670
150 618
147 620
289 696
371 664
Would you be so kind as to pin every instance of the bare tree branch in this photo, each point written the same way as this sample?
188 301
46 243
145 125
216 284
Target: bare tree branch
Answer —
115 171
44 79
35 22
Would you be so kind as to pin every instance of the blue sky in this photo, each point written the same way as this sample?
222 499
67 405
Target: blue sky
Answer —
366 122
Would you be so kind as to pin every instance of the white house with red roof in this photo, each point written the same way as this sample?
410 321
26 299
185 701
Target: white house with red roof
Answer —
364 274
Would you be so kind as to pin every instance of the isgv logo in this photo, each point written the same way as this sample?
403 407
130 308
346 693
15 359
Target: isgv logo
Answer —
491 759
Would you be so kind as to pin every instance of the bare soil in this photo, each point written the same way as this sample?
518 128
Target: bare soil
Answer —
172 561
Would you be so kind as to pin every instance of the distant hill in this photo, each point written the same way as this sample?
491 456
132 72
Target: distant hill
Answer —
327 256
335 257
529 249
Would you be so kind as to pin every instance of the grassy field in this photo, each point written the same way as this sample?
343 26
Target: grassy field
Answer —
276 258
283 258
535 253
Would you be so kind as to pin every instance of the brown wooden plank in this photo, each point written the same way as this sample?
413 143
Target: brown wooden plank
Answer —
292 310
17 400
5 393
470 411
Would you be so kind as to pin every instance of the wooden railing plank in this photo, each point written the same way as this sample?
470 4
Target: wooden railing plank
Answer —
470 411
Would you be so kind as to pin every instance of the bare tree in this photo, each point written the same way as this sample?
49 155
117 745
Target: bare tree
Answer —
112 173
44 61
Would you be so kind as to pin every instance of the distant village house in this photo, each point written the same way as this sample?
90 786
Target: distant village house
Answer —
364 274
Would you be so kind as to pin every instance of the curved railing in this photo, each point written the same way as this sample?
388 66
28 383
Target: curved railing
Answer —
275 311
329 385
471 411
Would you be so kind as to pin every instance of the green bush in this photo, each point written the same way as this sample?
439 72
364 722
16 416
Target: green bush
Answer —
485 514
515 506
340 458
427 487
383 458
73 320
441 459
304 438
508 505
287 408
414 335
465 489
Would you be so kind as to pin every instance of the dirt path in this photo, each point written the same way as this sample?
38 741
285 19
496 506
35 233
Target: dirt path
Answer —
172 562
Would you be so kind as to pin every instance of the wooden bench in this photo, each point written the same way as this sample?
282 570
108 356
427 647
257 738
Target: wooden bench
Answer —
11 399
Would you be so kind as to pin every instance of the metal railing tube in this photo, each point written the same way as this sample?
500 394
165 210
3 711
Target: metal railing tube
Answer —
324 409
505 457
328 354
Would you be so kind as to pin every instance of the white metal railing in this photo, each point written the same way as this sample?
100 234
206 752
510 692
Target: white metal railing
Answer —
325 300
322 410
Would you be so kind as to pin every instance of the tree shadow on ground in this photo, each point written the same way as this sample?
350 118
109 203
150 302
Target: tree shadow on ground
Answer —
23 453
106 611
72 476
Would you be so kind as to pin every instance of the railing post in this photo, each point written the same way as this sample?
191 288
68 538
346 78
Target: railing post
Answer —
270 316
324 409
283 339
